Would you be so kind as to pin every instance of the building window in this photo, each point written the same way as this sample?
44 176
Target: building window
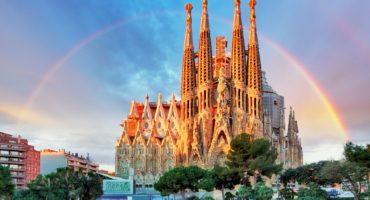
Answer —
4 152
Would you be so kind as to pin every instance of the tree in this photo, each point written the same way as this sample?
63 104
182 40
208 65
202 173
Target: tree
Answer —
6 185
207 183
289 175
305 174
180 179
262 192
263 157
287 193
239 152
259 192
224 178
358 154
192 198
244 192
312 192
349 172
229 196
92 186
251 157
24 195
64 184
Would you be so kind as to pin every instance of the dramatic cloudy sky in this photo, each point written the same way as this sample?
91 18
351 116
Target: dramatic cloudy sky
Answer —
68 69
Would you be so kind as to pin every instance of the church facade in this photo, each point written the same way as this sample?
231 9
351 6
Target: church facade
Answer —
221 97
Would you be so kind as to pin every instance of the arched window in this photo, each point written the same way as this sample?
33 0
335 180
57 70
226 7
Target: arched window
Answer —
204 99
238 98
246 103
255 107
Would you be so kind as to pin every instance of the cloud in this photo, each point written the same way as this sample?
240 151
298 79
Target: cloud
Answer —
20 114
96 141
139 58
333 151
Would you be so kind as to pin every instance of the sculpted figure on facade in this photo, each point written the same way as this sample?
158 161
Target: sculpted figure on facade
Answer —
222 94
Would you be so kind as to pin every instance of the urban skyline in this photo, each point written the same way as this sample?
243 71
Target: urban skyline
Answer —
93 66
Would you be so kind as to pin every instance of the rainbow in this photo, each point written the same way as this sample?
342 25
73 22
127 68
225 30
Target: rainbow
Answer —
320 92
299 66
72 51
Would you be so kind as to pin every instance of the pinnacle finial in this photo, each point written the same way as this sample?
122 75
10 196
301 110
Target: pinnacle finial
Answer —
204 25
252 3
188 34
173 96
237 17
204 3
188 7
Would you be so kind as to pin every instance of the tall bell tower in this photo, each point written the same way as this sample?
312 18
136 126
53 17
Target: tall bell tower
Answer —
254 75
205 81
188 85
238 72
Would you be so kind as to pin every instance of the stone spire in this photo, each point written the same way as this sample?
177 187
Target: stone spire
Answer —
205 71
254 62
205 22
189 31
254 65
294 148
188 83
238 61
290 122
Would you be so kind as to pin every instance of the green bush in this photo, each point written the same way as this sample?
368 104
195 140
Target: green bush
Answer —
65 183
287 193
312 192
6 185
262 192
192 198
208 198
229 196
309 198
244 192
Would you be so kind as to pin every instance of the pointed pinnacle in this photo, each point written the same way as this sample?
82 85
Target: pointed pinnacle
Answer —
252 3
204 3
188 7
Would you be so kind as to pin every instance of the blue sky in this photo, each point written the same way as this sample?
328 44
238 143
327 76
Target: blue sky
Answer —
81 106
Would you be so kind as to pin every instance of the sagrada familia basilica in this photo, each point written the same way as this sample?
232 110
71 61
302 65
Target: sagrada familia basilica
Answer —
222 95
